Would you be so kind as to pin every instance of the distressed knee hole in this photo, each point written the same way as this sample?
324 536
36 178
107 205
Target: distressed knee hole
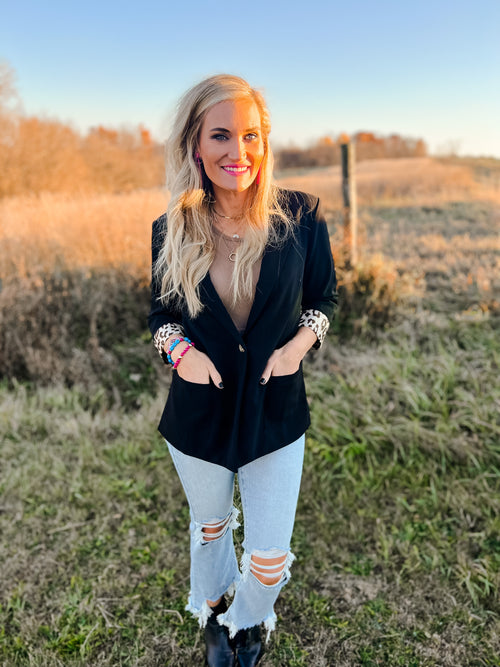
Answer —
214 531
270 567
211 531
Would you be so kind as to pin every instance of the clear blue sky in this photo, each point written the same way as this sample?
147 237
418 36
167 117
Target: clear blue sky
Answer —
427 69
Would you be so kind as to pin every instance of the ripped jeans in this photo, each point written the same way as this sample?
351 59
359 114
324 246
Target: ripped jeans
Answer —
269 489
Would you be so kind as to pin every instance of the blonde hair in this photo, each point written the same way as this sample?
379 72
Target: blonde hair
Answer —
189 246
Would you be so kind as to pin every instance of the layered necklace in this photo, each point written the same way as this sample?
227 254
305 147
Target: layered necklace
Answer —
231 242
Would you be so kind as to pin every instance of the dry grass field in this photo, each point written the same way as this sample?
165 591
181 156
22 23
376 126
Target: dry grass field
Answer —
106 230
45 231
398 526
407 181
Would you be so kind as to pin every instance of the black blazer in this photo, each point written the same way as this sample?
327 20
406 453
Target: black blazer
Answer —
245 420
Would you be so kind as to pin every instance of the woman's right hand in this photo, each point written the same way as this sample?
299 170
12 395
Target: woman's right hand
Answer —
195 366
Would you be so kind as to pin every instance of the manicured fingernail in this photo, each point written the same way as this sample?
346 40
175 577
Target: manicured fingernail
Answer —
263 380
221 385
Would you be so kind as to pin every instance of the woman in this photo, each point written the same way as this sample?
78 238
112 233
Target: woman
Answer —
243 286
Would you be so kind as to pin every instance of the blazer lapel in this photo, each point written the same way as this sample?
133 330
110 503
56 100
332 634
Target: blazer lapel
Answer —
273 262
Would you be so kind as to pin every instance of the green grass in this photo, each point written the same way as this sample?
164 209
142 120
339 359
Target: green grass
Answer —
398 527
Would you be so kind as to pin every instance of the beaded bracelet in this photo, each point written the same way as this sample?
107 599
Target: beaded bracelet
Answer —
171 348
178 361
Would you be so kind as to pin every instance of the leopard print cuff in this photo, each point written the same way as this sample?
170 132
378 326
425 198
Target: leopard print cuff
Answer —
317 322
163 334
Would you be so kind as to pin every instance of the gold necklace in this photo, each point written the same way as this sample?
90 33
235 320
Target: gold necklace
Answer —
229 217
214 225
227 241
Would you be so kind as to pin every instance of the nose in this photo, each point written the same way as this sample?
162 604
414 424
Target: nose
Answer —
237 149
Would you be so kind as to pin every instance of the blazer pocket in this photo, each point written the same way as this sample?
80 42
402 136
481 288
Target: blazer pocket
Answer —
283 395
192 408
192 384
284 378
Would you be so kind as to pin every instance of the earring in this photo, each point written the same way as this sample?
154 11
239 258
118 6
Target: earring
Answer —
199 163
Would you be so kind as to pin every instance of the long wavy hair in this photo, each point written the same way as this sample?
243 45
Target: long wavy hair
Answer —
188 249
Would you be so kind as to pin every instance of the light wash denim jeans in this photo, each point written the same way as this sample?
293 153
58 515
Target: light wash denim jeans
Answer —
269 489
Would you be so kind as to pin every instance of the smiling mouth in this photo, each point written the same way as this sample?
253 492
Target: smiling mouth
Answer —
235 170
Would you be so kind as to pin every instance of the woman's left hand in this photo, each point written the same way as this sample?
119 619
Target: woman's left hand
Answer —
286 360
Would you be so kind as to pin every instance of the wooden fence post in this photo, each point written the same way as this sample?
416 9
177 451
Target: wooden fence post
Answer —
350 205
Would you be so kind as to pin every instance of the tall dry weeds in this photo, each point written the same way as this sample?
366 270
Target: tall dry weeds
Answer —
39 233
77 327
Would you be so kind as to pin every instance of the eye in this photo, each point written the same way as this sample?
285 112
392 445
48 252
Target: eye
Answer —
219 137
251 136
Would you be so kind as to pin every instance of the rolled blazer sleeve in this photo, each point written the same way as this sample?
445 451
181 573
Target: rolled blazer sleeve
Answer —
320 297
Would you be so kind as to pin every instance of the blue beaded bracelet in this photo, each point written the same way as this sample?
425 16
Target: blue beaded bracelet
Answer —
172 346
170 349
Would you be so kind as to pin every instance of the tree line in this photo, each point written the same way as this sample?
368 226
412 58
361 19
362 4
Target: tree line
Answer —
326 151
45 155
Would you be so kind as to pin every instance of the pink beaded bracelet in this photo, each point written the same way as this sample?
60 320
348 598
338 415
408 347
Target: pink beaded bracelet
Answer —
178 360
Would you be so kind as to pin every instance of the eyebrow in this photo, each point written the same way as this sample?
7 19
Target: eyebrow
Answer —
223 129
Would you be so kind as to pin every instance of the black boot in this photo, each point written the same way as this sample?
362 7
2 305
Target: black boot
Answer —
219 650
248 647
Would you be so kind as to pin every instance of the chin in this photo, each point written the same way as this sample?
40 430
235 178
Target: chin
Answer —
236 187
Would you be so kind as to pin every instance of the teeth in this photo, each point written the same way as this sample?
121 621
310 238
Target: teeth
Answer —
237 169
